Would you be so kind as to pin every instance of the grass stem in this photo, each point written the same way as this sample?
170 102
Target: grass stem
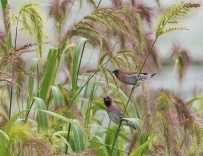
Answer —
150 50
114 142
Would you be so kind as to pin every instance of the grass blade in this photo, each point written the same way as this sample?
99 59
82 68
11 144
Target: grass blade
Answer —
78 137
139 150
137 123
49 76
66 142
62 118
194 99
5 135
3 148
76 65
41 116
57 96
3 4
99 146
33 69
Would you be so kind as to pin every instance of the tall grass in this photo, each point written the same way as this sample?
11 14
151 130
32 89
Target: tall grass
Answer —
68 117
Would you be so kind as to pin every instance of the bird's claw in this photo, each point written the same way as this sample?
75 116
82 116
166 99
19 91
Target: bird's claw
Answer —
133 89
118 129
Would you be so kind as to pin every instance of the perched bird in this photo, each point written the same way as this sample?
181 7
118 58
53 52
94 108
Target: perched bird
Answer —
115 113
130 78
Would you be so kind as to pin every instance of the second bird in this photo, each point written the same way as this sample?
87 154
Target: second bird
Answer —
115 113
130 77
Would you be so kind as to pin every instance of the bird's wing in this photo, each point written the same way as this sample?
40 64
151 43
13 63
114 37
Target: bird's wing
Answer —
119 107
134 72
142 77
131 72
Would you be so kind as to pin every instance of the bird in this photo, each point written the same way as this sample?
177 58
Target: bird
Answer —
115 113
131 77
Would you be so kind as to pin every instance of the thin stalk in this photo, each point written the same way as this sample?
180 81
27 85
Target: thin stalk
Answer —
114 142
76 96
68 136
29 111
49 99
54 61
38 79
118 149
150 50
11 91
16 34
89 106
11 96
60 30
98 4
81 90
59 52
72 106
83 48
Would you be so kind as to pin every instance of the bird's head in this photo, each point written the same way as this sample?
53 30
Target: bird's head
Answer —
107 101
115 72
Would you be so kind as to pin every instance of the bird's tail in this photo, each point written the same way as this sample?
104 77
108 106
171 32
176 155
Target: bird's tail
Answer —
151 75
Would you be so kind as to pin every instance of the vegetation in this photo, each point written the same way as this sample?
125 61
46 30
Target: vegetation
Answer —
44 113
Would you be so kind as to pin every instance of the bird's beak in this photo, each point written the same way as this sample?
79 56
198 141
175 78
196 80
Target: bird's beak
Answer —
113 72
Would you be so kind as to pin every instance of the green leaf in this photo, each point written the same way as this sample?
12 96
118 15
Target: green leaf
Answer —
50 70
194 99
76 63
78 137
75 70
41 116
110 135
143 139
62 118
66 142
33 69
5 135
136 122
101 151
3 4
3 148
57 96
139 150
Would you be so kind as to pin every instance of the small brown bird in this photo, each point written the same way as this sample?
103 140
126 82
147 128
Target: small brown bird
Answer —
115 113
130 78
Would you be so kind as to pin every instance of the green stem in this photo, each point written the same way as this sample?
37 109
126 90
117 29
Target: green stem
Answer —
76 96
29 111
11 91
89 106
81 90
11 97
150 50
98 4
80 59
49 99
16 34
68 136
114 142
60 29
72 106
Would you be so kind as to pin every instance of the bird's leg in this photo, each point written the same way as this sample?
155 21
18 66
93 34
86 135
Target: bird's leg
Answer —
118 129
133 89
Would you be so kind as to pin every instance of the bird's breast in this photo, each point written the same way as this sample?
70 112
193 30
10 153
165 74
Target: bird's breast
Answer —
114 114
